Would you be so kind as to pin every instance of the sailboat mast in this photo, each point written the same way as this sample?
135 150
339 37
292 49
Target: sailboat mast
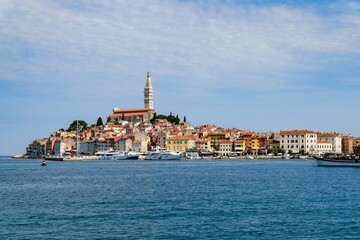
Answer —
77 138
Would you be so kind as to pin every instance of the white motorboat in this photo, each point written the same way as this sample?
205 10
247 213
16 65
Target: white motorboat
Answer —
163 155
108 155
126 156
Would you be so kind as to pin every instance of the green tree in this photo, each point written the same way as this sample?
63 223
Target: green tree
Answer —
123 117
99 122
153 118
177 119
184 119
81 125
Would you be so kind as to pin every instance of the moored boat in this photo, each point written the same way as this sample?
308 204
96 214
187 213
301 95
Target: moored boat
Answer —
336 160
107 155
54 158
163 155
126 156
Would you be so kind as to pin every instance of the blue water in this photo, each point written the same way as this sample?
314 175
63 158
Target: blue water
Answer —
203 199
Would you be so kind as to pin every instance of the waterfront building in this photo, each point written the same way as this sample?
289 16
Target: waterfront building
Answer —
333 138
180 143
255 145
144 114
239 146
123 144
88 148
348 143
263 143
323 147
204 145
139 146
35 148
214 138
225 147
105 144
59 147
297 141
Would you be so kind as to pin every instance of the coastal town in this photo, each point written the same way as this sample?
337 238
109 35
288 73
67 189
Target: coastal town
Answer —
143 130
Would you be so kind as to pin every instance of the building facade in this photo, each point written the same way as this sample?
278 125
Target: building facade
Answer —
298 141
180 144
334 139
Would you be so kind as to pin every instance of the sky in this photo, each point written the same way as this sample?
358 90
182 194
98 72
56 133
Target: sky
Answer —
257 65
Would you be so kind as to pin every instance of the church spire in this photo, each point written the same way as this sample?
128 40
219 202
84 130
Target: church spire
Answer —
148 93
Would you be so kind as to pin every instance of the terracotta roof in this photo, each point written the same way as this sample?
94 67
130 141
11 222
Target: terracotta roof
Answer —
327 134
294 132
132 110
119 115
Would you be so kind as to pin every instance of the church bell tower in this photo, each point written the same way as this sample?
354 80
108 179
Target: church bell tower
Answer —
148 93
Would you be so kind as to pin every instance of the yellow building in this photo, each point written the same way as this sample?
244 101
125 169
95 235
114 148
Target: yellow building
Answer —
255 144
214 138
180 143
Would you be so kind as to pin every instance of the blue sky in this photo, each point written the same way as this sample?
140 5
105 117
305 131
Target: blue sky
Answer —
258 65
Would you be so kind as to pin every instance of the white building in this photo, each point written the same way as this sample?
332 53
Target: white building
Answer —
124 145
334 139
103 145
225 147
323 147
139 146
60 147
296 141
88 148
204 145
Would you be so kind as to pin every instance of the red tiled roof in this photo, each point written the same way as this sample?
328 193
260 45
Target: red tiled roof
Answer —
327 134
132 110
304 131
119 115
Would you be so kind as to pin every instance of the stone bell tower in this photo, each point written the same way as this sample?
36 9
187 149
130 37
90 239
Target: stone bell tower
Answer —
148 93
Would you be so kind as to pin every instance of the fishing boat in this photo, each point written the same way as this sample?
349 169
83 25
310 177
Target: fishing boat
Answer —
337 160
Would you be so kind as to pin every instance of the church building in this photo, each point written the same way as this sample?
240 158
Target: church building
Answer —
144 114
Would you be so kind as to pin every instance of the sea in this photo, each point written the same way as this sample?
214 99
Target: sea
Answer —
188 199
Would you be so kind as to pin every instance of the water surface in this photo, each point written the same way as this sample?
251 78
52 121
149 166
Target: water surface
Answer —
202 199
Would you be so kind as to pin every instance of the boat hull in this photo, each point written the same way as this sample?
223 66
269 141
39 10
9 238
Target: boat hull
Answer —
336 162
125 157
163 156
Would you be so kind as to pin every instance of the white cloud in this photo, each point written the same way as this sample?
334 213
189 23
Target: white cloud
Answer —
97 54
195 40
